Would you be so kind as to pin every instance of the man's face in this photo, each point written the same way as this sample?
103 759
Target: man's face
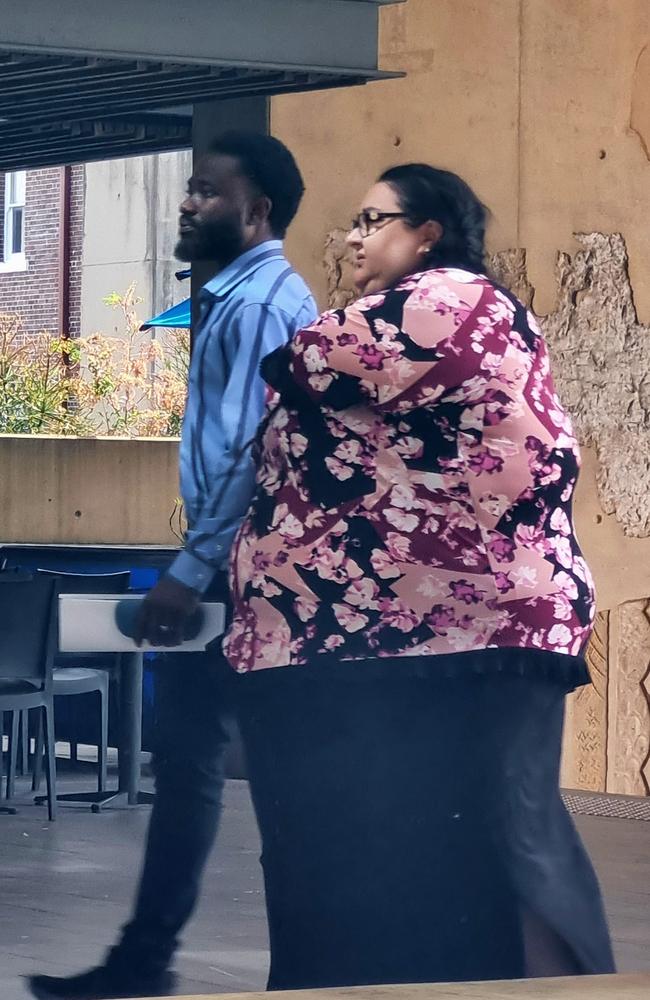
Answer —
216 218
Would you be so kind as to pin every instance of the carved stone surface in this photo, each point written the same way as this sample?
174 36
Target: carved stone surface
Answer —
628 707
585 744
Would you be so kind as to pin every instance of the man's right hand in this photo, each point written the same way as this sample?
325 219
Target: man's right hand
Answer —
164 613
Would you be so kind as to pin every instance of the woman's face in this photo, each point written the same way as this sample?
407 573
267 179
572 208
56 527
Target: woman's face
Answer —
391 248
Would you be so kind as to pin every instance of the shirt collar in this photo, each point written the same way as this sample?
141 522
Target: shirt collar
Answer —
241 268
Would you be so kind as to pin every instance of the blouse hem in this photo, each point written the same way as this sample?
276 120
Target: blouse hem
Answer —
569 671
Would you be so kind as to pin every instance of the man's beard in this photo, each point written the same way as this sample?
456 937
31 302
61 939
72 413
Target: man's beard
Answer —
220 241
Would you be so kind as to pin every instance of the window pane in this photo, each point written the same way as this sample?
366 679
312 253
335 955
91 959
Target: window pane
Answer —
16 230
16 188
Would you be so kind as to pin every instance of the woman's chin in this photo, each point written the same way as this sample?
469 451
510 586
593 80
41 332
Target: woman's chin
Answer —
366 284
360 281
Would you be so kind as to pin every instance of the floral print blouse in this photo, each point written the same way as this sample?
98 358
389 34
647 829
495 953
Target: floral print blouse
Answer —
414 489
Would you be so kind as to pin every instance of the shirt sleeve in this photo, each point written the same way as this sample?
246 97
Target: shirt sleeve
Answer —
382 349
262 328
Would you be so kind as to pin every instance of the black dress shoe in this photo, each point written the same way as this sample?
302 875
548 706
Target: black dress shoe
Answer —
103 983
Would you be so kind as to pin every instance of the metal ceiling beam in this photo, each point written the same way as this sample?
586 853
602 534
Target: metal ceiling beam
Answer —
31 124
72 142
141 96
104 91
98 150
300 34
91 79
83 75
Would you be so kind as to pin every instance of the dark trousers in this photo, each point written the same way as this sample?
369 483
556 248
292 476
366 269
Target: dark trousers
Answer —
191 709
409 826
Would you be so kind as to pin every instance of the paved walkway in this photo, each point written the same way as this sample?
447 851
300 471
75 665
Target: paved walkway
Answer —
66 887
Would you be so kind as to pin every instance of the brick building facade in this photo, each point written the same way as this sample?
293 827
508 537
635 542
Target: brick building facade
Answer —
41 267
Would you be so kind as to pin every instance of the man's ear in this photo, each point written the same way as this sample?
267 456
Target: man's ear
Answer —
260 210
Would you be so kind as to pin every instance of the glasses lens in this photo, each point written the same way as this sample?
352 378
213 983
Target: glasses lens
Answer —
370 220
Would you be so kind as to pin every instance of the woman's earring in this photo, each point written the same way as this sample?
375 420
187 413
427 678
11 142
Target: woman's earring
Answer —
424 250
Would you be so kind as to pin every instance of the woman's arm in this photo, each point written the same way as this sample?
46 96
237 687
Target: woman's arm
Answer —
386 350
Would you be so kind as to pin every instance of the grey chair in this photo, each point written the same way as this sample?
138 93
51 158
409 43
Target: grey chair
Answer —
71 676
27 645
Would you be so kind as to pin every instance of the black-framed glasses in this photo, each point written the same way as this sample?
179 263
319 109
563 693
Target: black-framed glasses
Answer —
369 221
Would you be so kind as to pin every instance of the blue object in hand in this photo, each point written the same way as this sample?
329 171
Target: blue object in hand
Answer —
126 613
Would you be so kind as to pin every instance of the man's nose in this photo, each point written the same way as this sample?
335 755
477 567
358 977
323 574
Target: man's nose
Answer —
186 207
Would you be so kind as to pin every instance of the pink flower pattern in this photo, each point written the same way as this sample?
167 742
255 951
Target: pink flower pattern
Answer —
414 487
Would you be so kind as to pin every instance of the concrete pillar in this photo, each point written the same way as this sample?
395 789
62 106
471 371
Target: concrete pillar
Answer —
210 119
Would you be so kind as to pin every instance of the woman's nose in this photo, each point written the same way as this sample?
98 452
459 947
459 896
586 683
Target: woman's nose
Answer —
353 239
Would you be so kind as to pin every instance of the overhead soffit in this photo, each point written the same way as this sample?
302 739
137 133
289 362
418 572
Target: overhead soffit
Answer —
84 80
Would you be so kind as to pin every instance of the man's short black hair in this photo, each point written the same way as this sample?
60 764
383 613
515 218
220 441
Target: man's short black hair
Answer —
271 167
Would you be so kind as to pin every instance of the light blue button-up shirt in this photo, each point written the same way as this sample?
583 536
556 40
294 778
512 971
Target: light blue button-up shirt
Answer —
254 305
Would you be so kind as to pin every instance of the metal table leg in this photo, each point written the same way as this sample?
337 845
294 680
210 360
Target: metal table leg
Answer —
131 729
130 748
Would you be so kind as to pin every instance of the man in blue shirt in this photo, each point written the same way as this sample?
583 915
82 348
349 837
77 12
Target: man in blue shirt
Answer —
241 198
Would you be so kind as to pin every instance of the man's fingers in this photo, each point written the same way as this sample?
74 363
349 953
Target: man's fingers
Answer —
169 631
171 636
151 625
163 628
141 628
159 623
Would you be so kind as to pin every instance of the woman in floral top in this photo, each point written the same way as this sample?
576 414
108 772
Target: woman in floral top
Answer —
410 559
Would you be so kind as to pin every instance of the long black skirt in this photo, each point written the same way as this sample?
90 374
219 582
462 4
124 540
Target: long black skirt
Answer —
412 826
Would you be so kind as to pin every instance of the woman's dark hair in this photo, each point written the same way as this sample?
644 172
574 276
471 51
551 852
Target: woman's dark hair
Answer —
425 193
269 165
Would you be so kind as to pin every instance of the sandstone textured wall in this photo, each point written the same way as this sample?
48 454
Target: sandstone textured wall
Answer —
544 107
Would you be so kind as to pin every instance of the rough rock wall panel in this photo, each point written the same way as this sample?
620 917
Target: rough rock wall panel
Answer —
337 270
601 362
600 356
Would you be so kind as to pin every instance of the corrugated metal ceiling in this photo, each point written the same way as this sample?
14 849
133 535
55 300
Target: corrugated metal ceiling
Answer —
87 79
62 109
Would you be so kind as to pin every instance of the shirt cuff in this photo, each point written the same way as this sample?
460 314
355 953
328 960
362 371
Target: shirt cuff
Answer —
192 572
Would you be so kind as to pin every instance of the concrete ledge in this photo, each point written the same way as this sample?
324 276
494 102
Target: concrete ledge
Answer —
93 491
581 988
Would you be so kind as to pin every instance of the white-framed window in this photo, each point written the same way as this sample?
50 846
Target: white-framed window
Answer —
13 244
